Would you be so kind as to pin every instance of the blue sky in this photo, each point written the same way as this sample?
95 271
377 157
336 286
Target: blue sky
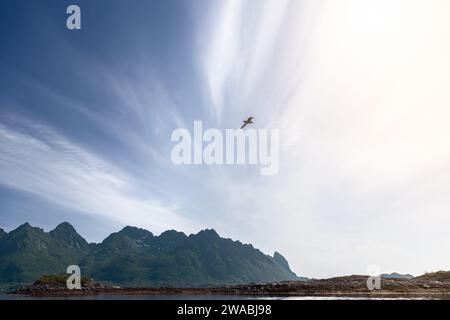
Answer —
359 91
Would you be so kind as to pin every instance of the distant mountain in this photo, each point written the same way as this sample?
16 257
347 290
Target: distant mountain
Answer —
67 235
396 275
28 252
135 257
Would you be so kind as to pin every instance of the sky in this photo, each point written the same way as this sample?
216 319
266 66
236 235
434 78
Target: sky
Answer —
359 89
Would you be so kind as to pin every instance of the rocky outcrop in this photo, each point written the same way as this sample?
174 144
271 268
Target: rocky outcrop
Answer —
350 286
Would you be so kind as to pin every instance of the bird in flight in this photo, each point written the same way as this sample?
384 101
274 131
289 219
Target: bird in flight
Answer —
246 122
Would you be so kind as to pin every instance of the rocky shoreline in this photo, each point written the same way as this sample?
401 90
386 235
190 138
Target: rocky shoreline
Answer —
349 286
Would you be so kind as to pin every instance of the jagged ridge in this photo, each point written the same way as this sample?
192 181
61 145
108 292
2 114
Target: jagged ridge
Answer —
136 257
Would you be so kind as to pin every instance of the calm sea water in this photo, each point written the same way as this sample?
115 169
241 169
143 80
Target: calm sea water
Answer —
185 297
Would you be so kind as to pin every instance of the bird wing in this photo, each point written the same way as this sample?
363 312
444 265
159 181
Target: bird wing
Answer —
245 123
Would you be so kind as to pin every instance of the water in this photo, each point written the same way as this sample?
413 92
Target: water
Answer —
189 297
139 297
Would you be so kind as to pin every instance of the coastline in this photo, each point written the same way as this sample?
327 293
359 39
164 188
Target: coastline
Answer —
342 287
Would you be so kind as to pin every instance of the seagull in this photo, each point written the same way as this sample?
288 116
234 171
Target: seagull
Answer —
246 122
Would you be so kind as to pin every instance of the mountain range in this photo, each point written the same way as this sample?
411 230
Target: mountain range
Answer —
136 257
396 275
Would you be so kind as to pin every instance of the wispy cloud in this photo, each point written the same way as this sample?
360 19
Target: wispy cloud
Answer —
363 114
358 89
223 52
38 160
